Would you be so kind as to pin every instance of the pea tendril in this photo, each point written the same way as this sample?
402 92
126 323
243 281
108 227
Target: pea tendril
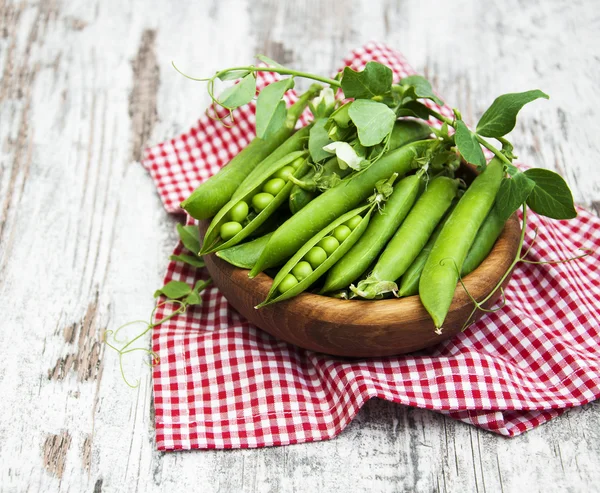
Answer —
520 257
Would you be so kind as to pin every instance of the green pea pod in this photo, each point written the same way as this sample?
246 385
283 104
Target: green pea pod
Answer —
274 295
405 131
410 238
299 198
213 242
270 224
409 282
441 271
325 208
246 254
380 230
267 167
210 196
486 237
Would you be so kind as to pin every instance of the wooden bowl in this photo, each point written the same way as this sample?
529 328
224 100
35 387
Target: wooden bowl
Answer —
359 328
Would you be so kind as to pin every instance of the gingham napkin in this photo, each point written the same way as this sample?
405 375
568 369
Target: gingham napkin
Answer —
223 383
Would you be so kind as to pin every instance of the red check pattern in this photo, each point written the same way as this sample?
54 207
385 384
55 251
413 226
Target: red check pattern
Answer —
223 383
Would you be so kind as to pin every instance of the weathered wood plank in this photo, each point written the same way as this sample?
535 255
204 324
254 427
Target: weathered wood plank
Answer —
84 240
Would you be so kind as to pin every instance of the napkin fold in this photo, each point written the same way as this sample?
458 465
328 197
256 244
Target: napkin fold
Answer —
223 383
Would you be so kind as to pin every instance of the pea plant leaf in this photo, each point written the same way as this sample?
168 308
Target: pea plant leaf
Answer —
414 109
189 236
375 80
373 121
234 75
174 290
340 116
269 61
501 117
270 108
193 298
468 146
551 196
188 259
239 94
418 87
318 138
512 194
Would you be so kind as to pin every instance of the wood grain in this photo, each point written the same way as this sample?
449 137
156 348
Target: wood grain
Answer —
84 85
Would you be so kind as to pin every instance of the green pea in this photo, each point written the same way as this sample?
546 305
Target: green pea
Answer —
239 212
274 186
244 255
329 244
297 162
285 172
342 232
316 256
302 270
288 282
354 222
261 200
229 230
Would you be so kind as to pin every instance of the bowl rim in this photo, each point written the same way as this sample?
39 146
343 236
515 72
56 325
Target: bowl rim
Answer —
323 323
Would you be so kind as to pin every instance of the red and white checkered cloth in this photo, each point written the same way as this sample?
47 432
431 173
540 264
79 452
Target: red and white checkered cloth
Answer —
223 383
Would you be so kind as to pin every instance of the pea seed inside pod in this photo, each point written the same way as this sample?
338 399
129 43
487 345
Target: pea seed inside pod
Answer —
329 244
297 162
315 256
302 270
274 186
342 232
285 172
353 222
239 212
229 230
261 200
288 282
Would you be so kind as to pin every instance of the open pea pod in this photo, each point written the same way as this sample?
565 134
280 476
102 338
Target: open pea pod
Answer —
213 240
297 142
245 255
276 295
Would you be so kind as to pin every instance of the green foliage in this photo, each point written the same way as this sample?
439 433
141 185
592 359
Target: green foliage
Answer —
375 80
551 196
418 87
318 139
414 109
269 61
270 108
501 117
233 75
174 290
189 236
374 121
239 94
467 144
512 194
192 260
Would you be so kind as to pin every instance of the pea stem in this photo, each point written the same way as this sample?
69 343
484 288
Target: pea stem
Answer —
517 259
285 71
254 69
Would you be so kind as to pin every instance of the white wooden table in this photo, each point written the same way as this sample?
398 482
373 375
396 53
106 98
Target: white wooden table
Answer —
84 240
